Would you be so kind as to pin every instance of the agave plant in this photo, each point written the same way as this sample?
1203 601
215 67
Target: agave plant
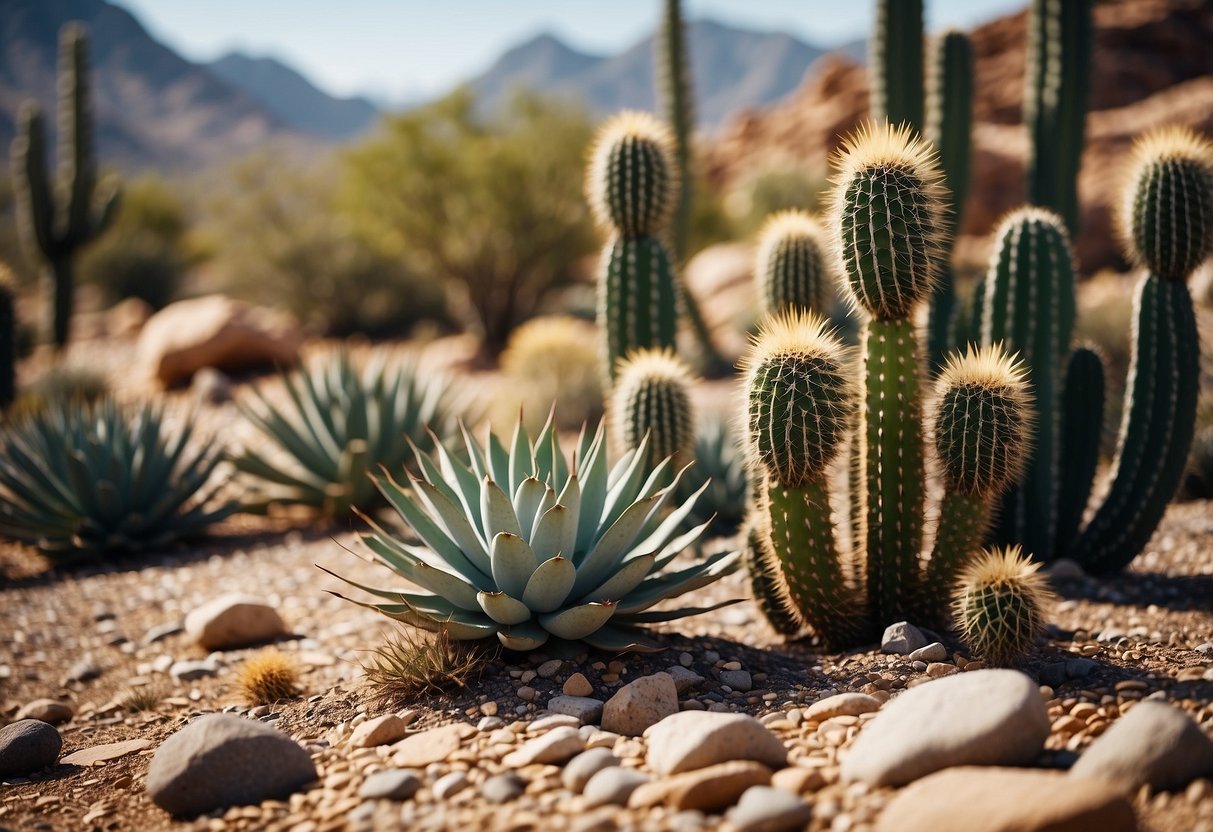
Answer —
80 479
721 464
524 547
339 425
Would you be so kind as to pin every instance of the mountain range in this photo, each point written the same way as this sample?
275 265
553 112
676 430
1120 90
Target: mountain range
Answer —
156 110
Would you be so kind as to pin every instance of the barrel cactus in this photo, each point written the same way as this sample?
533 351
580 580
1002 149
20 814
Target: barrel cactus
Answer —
520 546
652 398
1000 604
792 264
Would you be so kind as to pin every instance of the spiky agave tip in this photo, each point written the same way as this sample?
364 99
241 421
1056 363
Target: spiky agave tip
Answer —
999 604
887 210
632 181
652 396
801 396
1166 215
983 419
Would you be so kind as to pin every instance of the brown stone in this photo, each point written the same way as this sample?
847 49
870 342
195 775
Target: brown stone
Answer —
431 746
104 753
706 789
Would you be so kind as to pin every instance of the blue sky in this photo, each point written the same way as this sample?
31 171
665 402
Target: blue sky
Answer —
398 49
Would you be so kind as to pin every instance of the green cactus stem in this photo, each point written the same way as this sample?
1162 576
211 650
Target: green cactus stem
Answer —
790 265
58 218
652 398
1081 432
895 55
8 338
767 586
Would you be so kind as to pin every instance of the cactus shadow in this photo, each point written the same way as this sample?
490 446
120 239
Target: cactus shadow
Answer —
1179 593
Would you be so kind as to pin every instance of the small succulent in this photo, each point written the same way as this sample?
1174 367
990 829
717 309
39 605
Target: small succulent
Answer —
80 479
340 425
1000 603
523 547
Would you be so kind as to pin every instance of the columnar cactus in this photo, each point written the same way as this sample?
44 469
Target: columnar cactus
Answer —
791 264
1057 83
58 218
652 398
1000 603
895 55
632 184
1081 432
8 338
1029 307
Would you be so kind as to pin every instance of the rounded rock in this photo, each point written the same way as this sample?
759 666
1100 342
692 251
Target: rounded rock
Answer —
27 746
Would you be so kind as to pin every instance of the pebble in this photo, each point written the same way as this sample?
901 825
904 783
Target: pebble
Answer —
584 766
639 704
583 708
612 785
1080 668
902 638
684 679
738 680
577 685
1154 743
449 785
390 784
764 809
549 668
987 717
431 746
382 730
191 670
84 670
842 704
933 652
222 760
706 789
27 746
555 747
551 721
234 620
50 711
798 780
104 753
697 739
502 788
937 670
1006 800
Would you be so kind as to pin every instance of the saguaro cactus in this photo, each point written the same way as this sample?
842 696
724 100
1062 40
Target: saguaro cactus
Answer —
790 266
58 218
895 55
632 184
652 398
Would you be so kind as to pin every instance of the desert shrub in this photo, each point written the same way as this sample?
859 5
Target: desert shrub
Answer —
493 209
58 386
771 190
552 360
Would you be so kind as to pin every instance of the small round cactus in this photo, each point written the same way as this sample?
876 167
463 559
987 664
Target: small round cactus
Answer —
801 399
632 181
888 209
1167 214
999 604
983 421
790 266
652 397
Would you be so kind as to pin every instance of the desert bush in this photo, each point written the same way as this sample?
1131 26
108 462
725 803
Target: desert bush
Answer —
552 361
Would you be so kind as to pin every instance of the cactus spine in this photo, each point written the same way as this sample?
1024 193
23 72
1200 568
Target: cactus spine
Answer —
631 185
1000 604
1167 222
652 397
1030 308
8 338
1055 102
790 264
58 218
949 123
895 55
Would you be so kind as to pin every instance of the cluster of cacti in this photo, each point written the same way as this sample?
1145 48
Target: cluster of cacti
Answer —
998 604
652 399
791 264
341 424
803 405
1055 102
59 217
632 185
520 546
87 479
8 338
1028 304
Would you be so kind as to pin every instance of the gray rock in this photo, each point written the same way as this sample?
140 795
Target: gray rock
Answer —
191 670
391 784
613 785
1080 668
502 788
51 711
986 717
1153 743
841 704
27 746
449 785
584 708
933 652
84 670
766 809
1053 674
639 704
234 621
162 632
584 766
1205 649
549 668
1065 568
737 679
902 638
684 679
697 739
222 760
555 747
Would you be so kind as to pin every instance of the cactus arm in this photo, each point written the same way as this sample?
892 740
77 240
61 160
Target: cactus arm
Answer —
893 466
963 520
1081 427
77 167
34 198
897 64
767 584
636 299
106 207
1156 428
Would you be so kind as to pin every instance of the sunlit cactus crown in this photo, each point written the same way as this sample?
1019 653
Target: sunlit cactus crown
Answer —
521 546
790 264
1167 214
652 397
1000 603
887 209
983 420
632 181
802 396
1031 225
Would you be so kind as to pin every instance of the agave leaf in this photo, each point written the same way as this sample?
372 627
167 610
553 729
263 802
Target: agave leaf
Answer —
606 555
475 454
551 532
527 499
620 639
523 637
593 484
626 489
625 579
679 544
497 512
513 563
522 457
576 623
502 608
452 521
654 617
468 483
672 584
570 498
430 533
499 460
672 522
395 554
550 584
434 475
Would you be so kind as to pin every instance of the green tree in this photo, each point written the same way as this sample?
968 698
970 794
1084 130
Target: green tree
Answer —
492 208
